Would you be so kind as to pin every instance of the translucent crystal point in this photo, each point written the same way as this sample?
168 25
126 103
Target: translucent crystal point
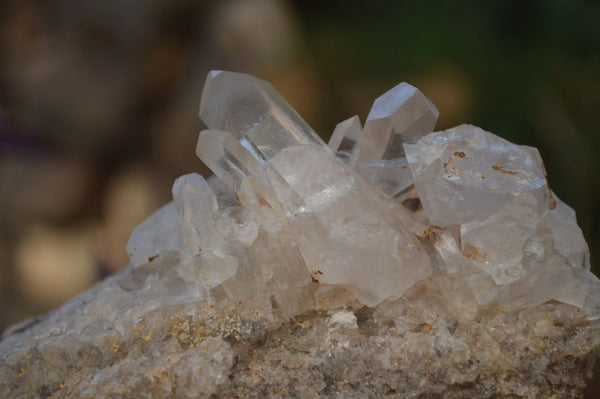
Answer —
401 115
466 174
156 236
251 108
196 205
204 253
344 140
229 158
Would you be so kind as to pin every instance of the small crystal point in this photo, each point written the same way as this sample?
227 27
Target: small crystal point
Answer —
228 158
401 115
496 243
251 108
196 204
154 237
344 140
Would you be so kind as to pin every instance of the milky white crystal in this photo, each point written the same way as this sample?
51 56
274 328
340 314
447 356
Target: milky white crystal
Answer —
302 225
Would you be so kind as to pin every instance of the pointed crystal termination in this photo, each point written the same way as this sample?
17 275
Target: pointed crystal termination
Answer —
401 115
344 140
251 108
196 204
155 236
466 174
317 194
228 158
203 252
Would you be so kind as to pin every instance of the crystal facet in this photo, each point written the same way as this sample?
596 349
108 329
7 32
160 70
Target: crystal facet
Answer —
401 115
250 108
344 139
466 174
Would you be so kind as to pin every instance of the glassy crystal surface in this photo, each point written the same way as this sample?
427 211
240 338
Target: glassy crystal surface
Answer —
401 115
250 108
379 212
344 139
466 174
155 236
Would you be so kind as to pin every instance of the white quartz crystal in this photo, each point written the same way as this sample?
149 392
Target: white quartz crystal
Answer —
303 225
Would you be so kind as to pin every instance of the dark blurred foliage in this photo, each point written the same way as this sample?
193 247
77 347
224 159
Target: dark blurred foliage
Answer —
98 104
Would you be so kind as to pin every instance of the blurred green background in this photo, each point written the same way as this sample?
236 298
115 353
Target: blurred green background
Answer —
99 102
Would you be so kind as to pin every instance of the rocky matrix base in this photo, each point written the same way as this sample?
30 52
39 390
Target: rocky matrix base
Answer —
391 262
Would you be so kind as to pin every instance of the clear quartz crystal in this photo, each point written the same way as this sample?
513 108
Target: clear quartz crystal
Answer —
495 244
196 205
341 228
401 115
295 224
317 192
155 236
203 248
250 108
466 174
344 140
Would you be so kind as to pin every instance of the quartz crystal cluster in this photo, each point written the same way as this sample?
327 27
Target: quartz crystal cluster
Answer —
393 261
367 216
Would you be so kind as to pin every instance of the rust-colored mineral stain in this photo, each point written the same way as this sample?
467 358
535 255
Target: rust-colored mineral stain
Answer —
264 202
553 202
449 167
501 169
460 154
429 234
150 259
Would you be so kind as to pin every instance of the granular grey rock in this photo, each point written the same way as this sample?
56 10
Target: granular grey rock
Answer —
408 348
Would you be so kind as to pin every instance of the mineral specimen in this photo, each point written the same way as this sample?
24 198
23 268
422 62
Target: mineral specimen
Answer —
394 261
